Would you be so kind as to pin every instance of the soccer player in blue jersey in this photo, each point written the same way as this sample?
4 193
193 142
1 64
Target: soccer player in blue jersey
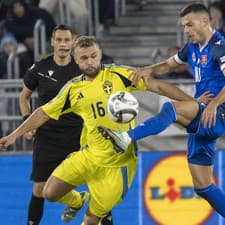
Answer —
205 55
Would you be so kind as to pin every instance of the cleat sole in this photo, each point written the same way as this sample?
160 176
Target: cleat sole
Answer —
108 135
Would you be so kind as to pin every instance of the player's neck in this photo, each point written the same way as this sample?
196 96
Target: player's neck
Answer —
88 78
62 61
208 34
91 77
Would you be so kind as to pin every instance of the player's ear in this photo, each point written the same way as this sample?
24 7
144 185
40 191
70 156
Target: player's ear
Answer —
100 54
75 56
52 40
205 21
74 37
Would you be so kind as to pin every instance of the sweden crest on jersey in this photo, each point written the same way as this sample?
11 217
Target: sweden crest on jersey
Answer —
107 87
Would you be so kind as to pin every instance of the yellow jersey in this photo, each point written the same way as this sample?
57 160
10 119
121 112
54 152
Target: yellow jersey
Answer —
89 100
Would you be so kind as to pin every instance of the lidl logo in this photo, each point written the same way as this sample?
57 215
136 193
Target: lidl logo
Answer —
169 196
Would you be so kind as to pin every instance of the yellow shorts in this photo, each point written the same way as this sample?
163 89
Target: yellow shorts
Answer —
107 185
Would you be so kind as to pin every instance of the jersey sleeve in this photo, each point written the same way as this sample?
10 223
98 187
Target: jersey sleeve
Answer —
124 72
61 104
218 52
181 56
30 78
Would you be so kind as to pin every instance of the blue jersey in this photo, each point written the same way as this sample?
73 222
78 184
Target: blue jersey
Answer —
206 64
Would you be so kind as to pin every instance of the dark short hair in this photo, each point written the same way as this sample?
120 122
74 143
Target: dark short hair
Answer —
62 27
86 41
193 8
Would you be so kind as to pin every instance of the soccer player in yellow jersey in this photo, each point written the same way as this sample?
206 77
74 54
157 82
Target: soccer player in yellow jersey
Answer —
107 174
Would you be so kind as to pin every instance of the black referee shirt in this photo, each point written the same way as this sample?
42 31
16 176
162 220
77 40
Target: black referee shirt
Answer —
54 140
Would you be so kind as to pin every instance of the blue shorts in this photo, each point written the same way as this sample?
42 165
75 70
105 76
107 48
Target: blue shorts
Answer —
202 141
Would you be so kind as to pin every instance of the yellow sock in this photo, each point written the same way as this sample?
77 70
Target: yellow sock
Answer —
72 199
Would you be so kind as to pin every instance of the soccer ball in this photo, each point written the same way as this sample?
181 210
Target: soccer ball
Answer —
122 107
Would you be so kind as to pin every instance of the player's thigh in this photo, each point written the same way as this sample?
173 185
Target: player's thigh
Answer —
109 187
55 188
201 175
72 170
186 111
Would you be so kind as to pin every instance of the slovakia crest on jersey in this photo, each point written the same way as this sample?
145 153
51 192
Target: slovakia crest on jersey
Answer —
204 59
193 57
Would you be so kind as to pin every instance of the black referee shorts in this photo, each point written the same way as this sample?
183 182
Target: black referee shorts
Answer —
41 171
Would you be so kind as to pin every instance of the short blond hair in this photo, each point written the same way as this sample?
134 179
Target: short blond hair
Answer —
86 41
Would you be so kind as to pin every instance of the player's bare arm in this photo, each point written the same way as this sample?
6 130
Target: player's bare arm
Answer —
25 107
209 114
162 68
36 119
158 69
166 89
24 100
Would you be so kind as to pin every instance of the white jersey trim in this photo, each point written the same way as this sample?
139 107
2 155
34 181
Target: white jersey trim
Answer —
178 60
222 67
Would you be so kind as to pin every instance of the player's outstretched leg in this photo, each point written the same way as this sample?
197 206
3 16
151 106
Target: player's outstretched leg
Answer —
154 125
120 140
69 212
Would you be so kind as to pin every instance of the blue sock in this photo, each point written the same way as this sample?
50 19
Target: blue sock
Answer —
214 196
156 124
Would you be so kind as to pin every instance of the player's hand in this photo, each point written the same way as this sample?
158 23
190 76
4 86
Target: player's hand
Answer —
209 115
206 97
137 74
29 135
6 141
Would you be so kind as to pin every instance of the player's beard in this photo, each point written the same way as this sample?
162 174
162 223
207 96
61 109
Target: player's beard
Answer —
92 73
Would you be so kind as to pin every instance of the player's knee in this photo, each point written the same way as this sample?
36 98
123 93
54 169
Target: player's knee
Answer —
168 110
38 193
38 189
200 183
49 195
168 106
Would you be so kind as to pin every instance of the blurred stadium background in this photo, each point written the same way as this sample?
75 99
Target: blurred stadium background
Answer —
162 193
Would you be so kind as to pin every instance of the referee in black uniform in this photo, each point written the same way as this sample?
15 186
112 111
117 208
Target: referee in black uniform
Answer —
55 139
